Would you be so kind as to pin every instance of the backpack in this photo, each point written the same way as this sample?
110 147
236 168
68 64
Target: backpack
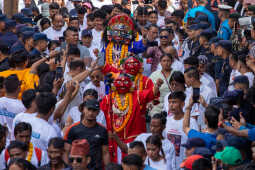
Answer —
38 153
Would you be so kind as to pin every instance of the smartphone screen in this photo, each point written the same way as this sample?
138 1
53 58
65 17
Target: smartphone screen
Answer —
59 73
196 94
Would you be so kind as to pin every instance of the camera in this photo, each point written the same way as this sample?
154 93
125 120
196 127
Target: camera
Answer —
247 22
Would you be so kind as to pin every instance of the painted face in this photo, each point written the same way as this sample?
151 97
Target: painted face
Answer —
132 66
122 84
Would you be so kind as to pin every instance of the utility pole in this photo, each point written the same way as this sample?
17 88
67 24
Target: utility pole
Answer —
10 7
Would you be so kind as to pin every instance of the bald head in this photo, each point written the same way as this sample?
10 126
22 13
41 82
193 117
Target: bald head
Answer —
171 50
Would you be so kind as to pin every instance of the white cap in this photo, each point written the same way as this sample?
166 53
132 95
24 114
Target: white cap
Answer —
226 7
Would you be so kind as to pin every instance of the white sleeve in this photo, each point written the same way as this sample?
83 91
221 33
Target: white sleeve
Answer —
166 105
193 124
170 158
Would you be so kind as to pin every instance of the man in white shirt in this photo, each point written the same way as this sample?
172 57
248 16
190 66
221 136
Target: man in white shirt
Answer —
98 29
57 29
162 6
192 80
42 131
157 125
174 125
100 3
10 105
87 38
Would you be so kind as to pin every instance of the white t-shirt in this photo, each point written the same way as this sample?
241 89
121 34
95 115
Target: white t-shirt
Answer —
99 4
100 90
54 34
167 147
97 39
75 114
161 21
9 108
174 133
159 165
233 74
198 109
208 81
42 131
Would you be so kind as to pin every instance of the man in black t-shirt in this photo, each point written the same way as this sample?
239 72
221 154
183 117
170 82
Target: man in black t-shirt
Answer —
95 134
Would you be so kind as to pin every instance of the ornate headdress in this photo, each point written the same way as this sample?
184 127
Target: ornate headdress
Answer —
120 28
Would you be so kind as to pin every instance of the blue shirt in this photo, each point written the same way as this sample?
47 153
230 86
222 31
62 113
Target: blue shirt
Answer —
251 134
148 168
210 139
192 13
9 39
225 31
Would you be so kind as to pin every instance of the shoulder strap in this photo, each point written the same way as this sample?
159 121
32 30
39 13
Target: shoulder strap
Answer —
38 153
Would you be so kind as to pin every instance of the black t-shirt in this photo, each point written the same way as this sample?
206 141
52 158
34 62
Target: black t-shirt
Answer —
97 136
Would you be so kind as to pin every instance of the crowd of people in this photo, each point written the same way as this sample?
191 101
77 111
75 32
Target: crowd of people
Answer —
121 85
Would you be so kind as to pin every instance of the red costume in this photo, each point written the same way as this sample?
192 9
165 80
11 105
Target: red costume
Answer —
127 121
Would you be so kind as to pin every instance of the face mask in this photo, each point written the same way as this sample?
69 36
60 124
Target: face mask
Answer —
123 84
132 66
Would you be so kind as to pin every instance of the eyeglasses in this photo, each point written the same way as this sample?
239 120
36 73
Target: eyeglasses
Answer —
78 160
161 37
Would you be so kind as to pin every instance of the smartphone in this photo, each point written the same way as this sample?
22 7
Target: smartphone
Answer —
59 73
196 95
101 60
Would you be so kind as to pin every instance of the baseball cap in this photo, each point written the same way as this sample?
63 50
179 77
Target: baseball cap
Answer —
194 142
40 36
189 161
27 12
92 104
86 33
225 7
226 44
230 156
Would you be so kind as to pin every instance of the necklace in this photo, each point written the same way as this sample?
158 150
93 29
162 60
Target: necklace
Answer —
109 51
139 81
30 152
120 107
127 116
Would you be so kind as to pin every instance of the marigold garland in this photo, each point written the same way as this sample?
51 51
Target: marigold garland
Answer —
137 37
30 152
120 107
108 53
140 77
127 116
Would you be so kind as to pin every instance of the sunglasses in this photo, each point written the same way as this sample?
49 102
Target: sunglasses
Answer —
78 160
161 37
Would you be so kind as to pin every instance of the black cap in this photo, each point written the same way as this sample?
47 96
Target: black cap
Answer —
92 104
200 18
86 33
226 44
27 12
194 142
40 36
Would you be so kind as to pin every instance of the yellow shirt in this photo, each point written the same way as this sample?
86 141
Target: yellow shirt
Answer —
28 80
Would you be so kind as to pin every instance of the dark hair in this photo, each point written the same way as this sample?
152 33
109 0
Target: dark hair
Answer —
133 159
4 49
212 116
19 57
17 144
142 11
161 117
113 166
202 164
90 16
137 144
156 140
234 57
73 29
73 18
90 92
45 21
178 77
27 97
3 131
54 5
52 42
164 55
11 83
152 25
99 14
118 6
107 8
177 95
74 50
126 11
193 61
21 127
162 4
192 72
22 163
242 80
250 96
76 64
57 143
178 13
81 10
153 12
45 101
